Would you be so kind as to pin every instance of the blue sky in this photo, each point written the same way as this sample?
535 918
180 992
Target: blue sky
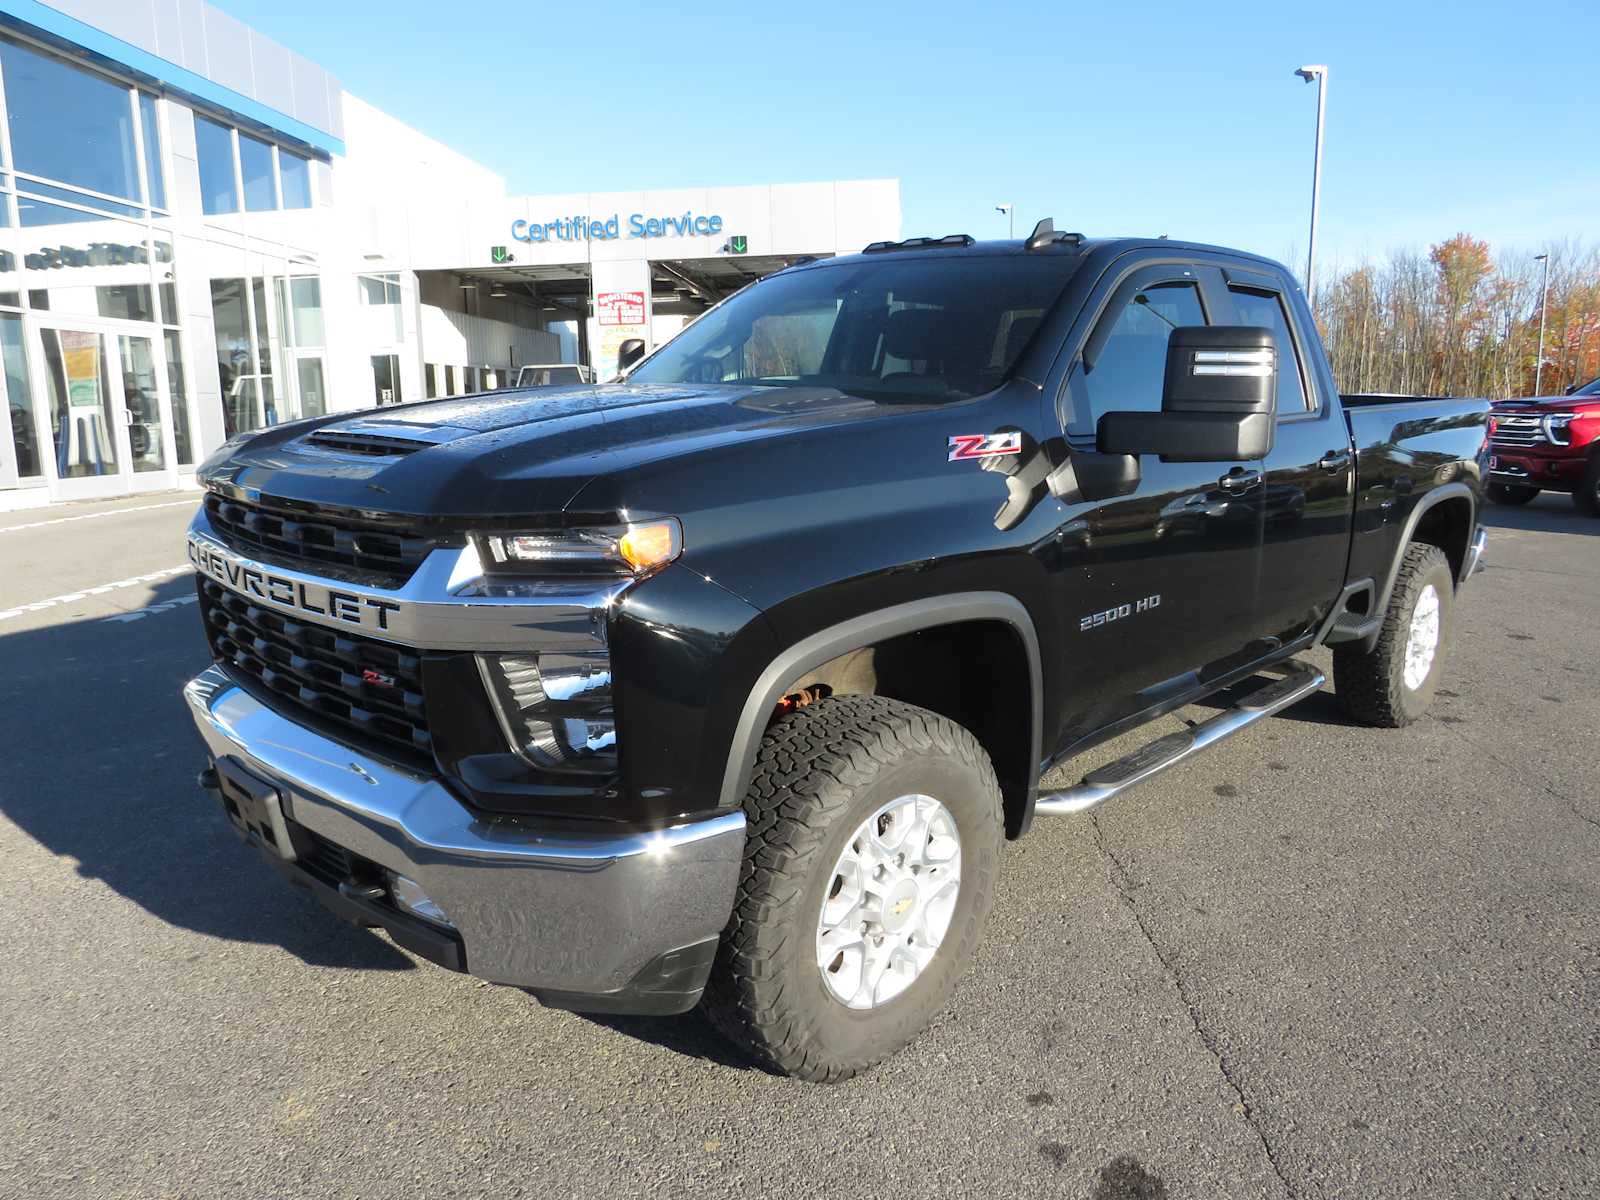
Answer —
1135 117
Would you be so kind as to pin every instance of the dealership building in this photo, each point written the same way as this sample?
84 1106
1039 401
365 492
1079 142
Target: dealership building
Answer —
202 233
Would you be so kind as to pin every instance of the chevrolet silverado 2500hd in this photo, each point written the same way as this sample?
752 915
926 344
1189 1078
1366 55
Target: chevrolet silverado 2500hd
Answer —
729 681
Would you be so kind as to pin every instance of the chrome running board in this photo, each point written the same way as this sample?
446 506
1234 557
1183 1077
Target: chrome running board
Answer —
1154 757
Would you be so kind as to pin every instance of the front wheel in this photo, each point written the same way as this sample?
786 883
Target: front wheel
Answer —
1392 684
1511 493
869 870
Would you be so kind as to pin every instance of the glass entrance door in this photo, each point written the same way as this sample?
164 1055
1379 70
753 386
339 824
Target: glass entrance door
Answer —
107 406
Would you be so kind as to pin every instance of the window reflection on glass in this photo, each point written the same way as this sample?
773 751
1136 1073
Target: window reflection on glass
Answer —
68 124
141 396
32 212
19 397
255 168
386 378
178 390
294 176
383 292
152 149
300 311
235 355
219 192
125 302
80 403
313 399
5 203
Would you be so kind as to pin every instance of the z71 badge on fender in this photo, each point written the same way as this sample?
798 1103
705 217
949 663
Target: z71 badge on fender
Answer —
984 445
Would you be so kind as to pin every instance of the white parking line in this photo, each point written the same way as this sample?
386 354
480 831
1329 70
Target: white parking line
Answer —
114 512
7 613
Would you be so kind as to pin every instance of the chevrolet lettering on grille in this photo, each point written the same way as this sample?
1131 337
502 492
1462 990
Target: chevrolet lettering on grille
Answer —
311 599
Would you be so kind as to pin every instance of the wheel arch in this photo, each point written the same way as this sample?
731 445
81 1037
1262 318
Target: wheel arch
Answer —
1016 759
1444 517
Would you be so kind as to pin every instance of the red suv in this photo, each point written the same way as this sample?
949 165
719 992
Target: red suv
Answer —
1547 444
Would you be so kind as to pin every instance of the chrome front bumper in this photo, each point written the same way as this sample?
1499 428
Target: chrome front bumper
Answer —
577 915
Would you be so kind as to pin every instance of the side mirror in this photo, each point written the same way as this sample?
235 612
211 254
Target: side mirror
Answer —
1571 387
630 352
1217 404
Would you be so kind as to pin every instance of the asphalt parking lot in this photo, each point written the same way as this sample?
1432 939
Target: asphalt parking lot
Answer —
1320 961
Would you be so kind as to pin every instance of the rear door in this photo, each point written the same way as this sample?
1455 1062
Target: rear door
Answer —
1158 586
1307 494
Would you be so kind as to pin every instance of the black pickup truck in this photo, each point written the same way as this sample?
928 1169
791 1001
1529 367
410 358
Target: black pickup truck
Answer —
729 681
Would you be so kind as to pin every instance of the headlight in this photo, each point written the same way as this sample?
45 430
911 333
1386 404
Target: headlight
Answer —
555 708
615 549
1558 428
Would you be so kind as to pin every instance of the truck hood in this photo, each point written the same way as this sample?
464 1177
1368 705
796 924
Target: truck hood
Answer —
1539 405
514 452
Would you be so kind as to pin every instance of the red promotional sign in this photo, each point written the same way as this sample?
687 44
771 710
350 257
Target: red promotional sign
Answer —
620 308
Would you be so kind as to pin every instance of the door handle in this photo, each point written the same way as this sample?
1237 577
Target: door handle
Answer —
1334 460
1239 480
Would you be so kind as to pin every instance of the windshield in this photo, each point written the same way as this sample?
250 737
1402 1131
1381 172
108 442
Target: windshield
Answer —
1592 388
938 328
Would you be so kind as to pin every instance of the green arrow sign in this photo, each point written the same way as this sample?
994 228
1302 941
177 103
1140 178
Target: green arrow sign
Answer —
499 254
738 244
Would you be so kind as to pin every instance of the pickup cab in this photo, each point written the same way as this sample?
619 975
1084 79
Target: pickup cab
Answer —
1549 443
728 684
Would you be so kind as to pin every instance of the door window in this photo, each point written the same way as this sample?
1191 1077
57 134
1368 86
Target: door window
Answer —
141 396
80 403
1264 310
1130 371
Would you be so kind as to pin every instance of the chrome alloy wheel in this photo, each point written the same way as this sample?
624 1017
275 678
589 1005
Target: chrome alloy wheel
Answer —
889 901
1423 640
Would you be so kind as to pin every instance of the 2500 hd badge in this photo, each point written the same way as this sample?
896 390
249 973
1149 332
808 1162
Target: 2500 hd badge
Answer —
251 580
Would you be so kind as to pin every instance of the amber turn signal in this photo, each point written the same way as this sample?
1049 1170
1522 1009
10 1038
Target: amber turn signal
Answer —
644 547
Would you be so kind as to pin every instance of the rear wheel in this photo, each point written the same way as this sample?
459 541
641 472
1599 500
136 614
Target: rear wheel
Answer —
1392 684
874 842
1511 493
1587 495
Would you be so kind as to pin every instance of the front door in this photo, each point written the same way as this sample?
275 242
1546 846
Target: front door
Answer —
1307 495
106 413
1159 586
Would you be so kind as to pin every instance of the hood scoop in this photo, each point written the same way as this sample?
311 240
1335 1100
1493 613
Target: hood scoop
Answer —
381 438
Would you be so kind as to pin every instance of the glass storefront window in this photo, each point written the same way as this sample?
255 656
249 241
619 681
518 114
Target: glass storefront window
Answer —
219 190
383 291
19 398
178 389
68 124
151 128
141 395
255 168
294 177
300 311
313 400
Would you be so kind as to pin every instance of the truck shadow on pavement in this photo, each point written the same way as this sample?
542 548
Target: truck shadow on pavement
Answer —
1549 513
100 762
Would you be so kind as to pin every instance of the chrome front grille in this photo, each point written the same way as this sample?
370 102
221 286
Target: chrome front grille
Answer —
373 688
1517 431
322 543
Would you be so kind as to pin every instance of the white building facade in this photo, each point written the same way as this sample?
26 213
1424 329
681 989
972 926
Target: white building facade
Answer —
200 234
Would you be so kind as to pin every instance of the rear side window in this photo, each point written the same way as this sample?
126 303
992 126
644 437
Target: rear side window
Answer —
1264 310
1131 368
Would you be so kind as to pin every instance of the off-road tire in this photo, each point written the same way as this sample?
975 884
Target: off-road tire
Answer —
822 771
1371 684
1587 495
1511 494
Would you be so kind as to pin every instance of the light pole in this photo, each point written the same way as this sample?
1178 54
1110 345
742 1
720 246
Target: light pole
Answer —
1544 302
1319 73
1010 211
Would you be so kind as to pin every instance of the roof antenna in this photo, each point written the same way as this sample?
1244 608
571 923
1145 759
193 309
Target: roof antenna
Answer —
1043 234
